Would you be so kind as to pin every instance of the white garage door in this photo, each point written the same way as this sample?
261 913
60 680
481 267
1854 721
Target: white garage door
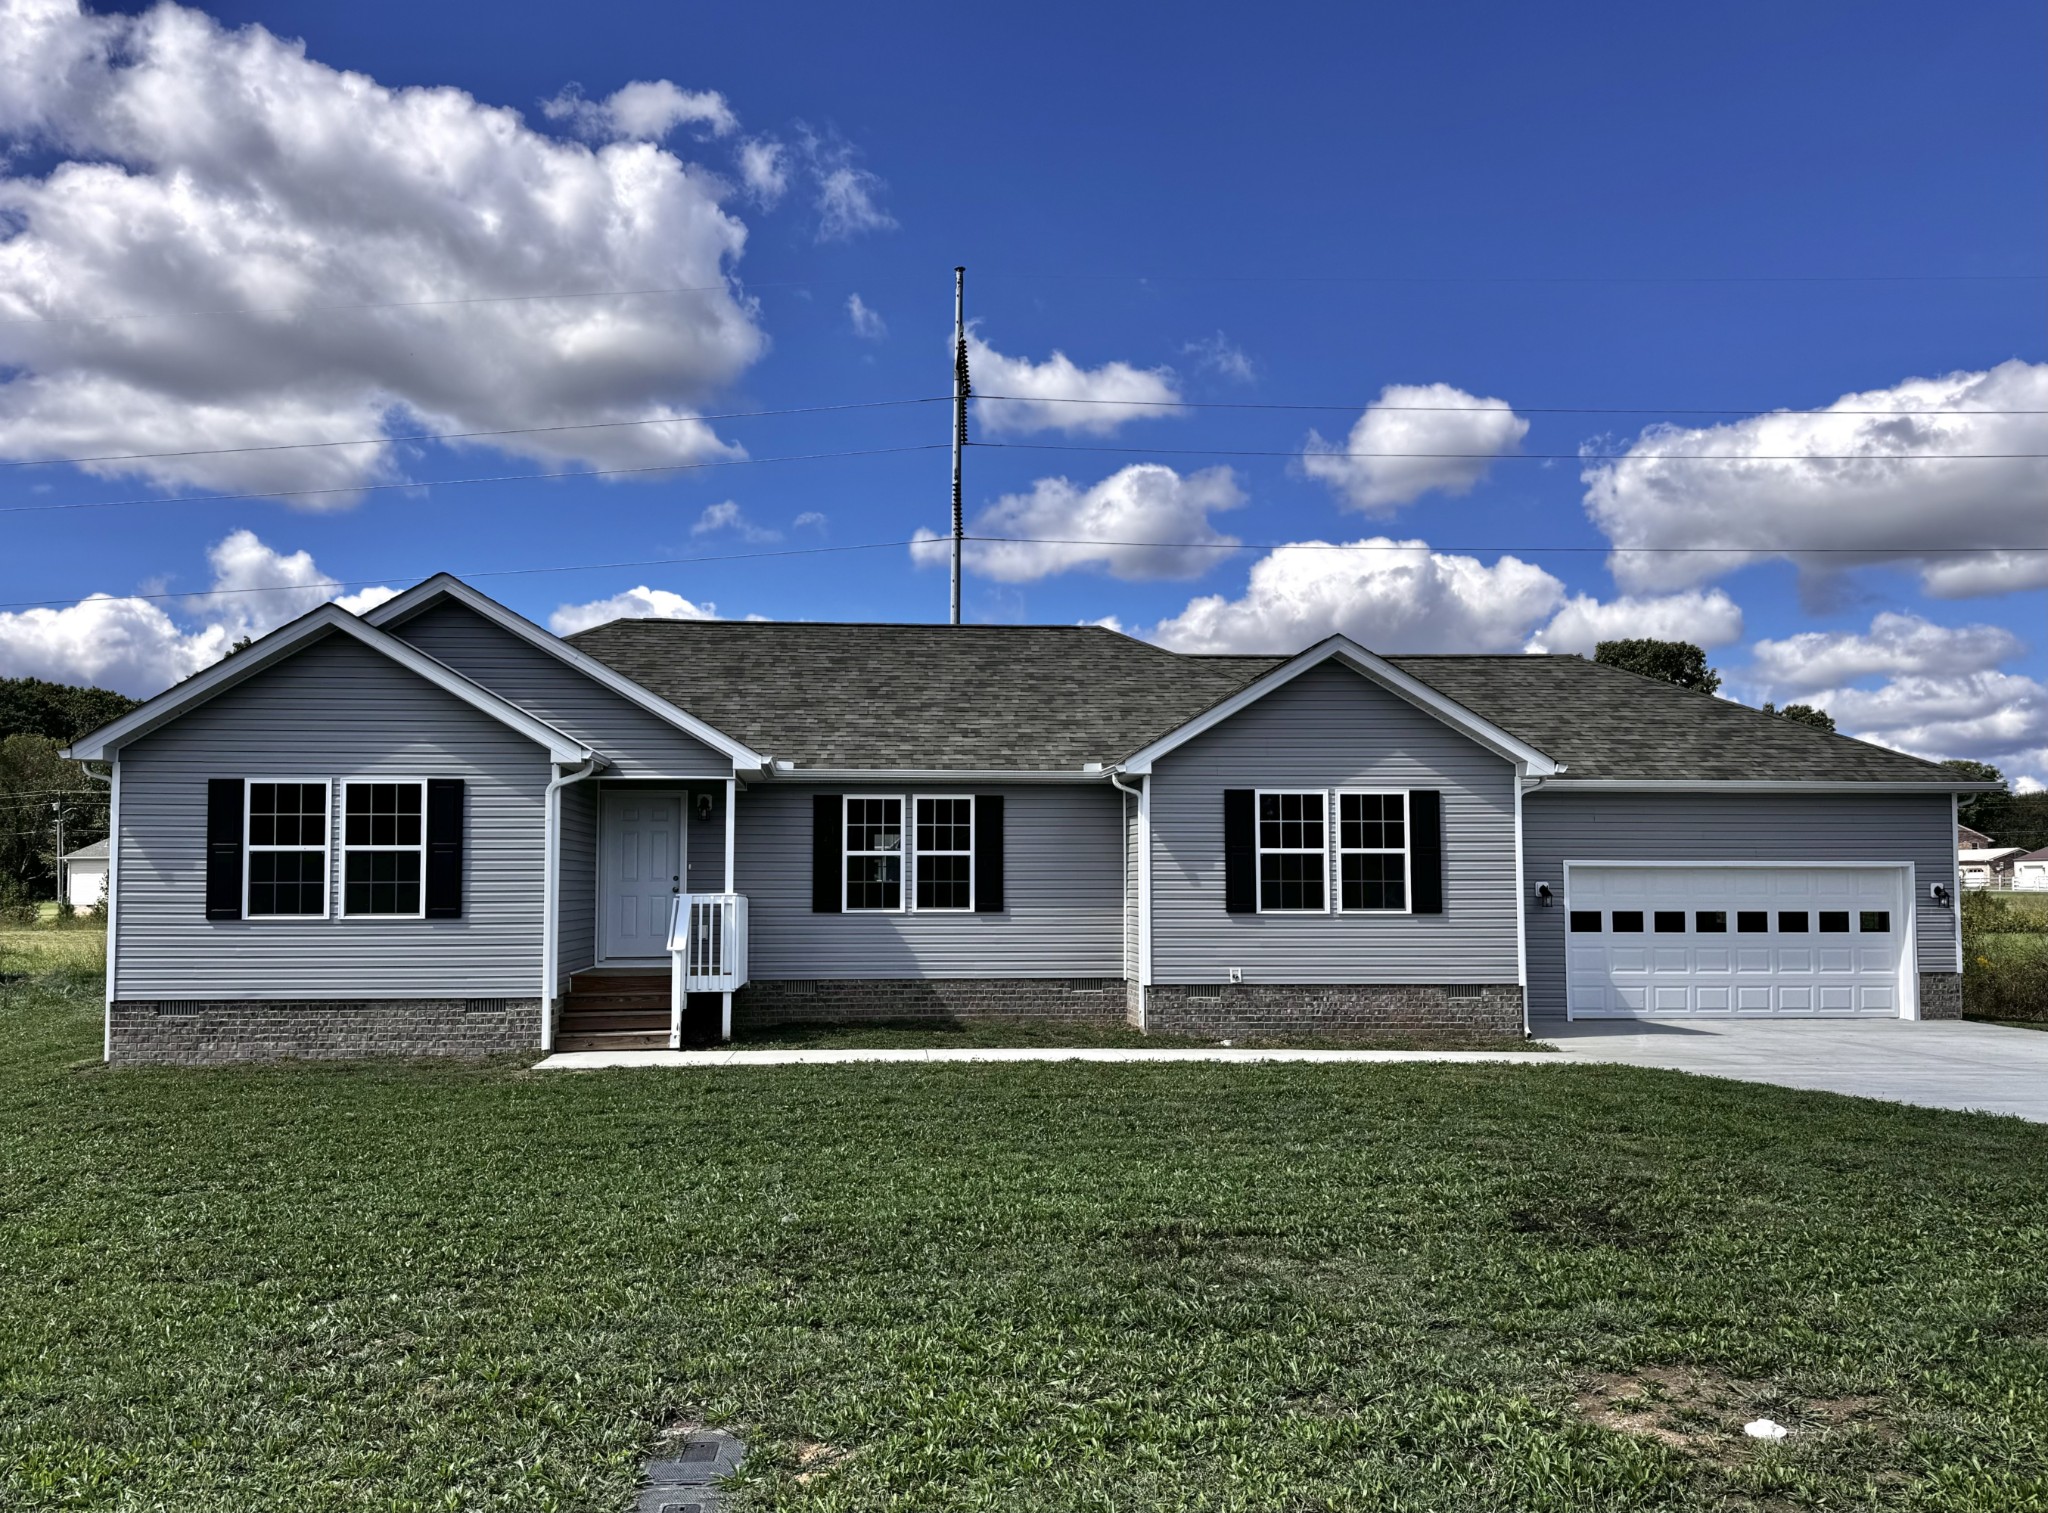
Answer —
1701 940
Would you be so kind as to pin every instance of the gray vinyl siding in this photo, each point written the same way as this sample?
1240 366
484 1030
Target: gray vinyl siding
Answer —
635 740
336 710
576 902
1063 864
1559 826
1333 728
704 842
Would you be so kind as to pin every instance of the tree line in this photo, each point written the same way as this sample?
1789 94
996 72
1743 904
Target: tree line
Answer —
38 787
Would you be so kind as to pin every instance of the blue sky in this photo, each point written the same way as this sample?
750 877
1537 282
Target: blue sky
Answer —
1526 232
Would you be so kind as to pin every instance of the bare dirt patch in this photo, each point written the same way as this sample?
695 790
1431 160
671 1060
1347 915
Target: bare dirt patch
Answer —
1702 1411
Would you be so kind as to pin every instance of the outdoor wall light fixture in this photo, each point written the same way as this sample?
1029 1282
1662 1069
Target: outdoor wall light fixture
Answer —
704 806
1544 897
1939 893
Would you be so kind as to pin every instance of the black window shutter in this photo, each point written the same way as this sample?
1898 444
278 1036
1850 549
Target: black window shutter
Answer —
1240 851
444 848
828 820
988 853
223 848
1426 849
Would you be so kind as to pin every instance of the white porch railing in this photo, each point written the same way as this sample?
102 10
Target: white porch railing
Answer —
707 943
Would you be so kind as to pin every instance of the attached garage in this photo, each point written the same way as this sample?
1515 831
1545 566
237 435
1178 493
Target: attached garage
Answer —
1687 939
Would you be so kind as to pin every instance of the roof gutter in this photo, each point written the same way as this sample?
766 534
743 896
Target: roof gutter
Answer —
1754 785
784 771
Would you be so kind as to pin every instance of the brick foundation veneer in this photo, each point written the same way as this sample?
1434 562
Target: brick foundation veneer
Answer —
177 1032
1941 995
844 999
1254 1011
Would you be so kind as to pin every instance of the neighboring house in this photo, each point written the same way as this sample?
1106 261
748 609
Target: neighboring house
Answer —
2030 872
85 876
440 828
1972 840
1988 866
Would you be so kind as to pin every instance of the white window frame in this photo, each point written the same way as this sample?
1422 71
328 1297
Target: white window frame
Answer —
1260 850
341 822
907 880
911 853
326 849
1339 850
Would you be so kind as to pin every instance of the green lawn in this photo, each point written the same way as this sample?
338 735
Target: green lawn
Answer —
1043 1287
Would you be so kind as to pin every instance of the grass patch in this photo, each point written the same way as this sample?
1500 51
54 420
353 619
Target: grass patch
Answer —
1073 1287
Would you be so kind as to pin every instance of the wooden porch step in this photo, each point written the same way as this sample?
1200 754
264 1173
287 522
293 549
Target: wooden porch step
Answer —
616 1003
575 1022
612 1040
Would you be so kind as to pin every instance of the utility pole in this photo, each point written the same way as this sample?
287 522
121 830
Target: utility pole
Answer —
57 808
959 422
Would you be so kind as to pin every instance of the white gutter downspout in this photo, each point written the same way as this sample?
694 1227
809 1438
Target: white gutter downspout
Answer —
1521 902
113 781
551 892
1143 794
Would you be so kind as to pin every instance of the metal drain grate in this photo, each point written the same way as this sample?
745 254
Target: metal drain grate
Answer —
687 1480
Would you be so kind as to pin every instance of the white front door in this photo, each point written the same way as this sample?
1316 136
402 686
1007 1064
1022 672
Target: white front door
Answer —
1706 940
640 873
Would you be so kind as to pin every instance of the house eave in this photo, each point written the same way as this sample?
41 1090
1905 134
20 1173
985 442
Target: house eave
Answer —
1752 785
783 772
422 596
1374 668
106 743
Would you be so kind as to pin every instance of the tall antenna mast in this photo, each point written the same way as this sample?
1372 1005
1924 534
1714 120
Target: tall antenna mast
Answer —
960 387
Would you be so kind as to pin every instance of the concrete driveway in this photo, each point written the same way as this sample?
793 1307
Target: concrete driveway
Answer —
1983 1068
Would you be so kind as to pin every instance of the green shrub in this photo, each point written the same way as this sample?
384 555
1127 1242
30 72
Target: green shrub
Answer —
1989 914
2005 979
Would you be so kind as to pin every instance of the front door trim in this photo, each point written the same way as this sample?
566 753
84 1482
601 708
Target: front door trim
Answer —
608 795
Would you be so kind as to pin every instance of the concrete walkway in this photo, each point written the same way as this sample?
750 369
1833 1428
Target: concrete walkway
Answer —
1977 1067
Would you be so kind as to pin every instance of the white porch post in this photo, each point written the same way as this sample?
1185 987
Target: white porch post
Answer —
725 1004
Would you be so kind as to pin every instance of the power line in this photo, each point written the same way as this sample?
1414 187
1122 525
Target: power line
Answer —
330 584
1374 404
879 404
369 441
1517 278
1771 549
1053 446
435 483
391 304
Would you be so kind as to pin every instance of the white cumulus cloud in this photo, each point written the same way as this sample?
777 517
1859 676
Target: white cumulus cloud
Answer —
728 516
1707 618
133 644
1996 717
229 244
765 170
1834 488
1103 398
645 110
1896 644
1142 522
1387 595
1413 439
867 321
642 603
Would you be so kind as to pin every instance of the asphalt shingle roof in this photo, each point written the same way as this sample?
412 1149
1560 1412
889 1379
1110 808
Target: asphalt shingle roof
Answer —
1018 698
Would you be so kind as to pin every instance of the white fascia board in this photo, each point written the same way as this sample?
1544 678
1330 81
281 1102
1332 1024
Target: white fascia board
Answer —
783 774
1753 785
287 641
1375 669
423 596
